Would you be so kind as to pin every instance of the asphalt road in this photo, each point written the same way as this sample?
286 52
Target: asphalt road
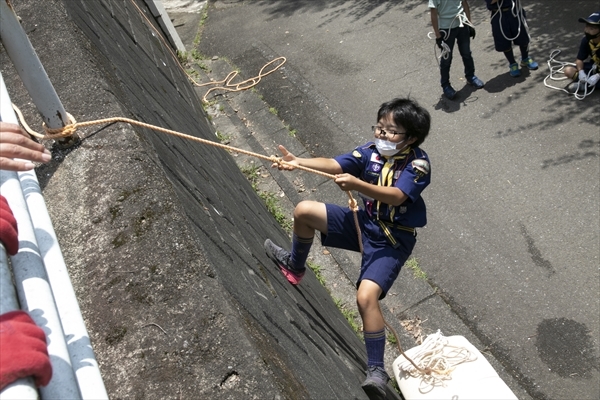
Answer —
513 235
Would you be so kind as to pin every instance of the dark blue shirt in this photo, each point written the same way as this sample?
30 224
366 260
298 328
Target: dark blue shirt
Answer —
366 163
585 51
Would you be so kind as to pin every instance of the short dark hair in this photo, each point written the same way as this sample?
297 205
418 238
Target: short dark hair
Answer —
410 115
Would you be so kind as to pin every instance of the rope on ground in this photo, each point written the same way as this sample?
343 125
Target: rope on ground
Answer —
226 83
557 67
434 361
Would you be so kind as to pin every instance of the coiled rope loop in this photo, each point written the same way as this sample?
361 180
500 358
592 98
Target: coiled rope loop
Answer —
557 68
445 53
227 85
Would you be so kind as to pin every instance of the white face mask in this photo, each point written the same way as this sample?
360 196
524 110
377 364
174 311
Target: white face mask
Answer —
387 148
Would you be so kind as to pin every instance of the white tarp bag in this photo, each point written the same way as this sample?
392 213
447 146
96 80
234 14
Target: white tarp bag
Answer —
457 371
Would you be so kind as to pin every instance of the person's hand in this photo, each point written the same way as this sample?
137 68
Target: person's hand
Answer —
593 80
439 41
288 157
582 76
346 182
471 32
15 144
9 234
24 350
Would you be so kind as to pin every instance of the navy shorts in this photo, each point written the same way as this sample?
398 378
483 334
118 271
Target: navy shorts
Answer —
506 26
381 262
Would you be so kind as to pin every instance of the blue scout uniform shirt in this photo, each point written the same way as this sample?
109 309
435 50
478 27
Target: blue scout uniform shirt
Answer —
589 49
411 175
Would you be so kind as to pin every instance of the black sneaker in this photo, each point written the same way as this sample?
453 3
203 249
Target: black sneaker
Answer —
282 258
475 82
376 382
449 92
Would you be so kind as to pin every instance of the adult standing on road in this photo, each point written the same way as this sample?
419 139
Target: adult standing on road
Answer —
451 23
509 26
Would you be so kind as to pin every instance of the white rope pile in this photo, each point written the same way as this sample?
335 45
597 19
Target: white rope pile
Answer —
437 356
557 68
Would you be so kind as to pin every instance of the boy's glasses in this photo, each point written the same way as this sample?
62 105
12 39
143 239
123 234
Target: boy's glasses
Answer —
379 131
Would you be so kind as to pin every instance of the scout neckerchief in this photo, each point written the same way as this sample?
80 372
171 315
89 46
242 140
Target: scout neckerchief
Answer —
595 52
386 178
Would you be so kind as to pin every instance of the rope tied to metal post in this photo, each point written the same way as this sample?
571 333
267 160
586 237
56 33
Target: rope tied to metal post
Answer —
71 128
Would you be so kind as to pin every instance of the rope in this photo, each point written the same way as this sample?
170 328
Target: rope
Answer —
71 129
50 133
557 67
436 356
445 53
228 86
424 371
518 12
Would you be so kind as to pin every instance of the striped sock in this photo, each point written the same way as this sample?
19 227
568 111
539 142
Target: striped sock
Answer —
375 344
300 250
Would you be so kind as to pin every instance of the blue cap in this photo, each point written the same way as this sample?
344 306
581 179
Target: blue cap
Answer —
593 19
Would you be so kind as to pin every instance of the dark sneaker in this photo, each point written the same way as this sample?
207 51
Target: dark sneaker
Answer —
529 63
475 82
376 382
514 70
449 92
281 257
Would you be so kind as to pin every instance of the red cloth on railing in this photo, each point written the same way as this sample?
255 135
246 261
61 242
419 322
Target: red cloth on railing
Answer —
23 350
9 233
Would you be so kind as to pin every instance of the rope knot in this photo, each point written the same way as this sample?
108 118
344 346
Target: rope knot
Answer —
352 204
66 131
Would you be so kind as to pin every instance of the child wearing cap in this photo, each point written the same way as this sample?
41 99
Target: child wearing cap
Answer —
586 72
509 26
